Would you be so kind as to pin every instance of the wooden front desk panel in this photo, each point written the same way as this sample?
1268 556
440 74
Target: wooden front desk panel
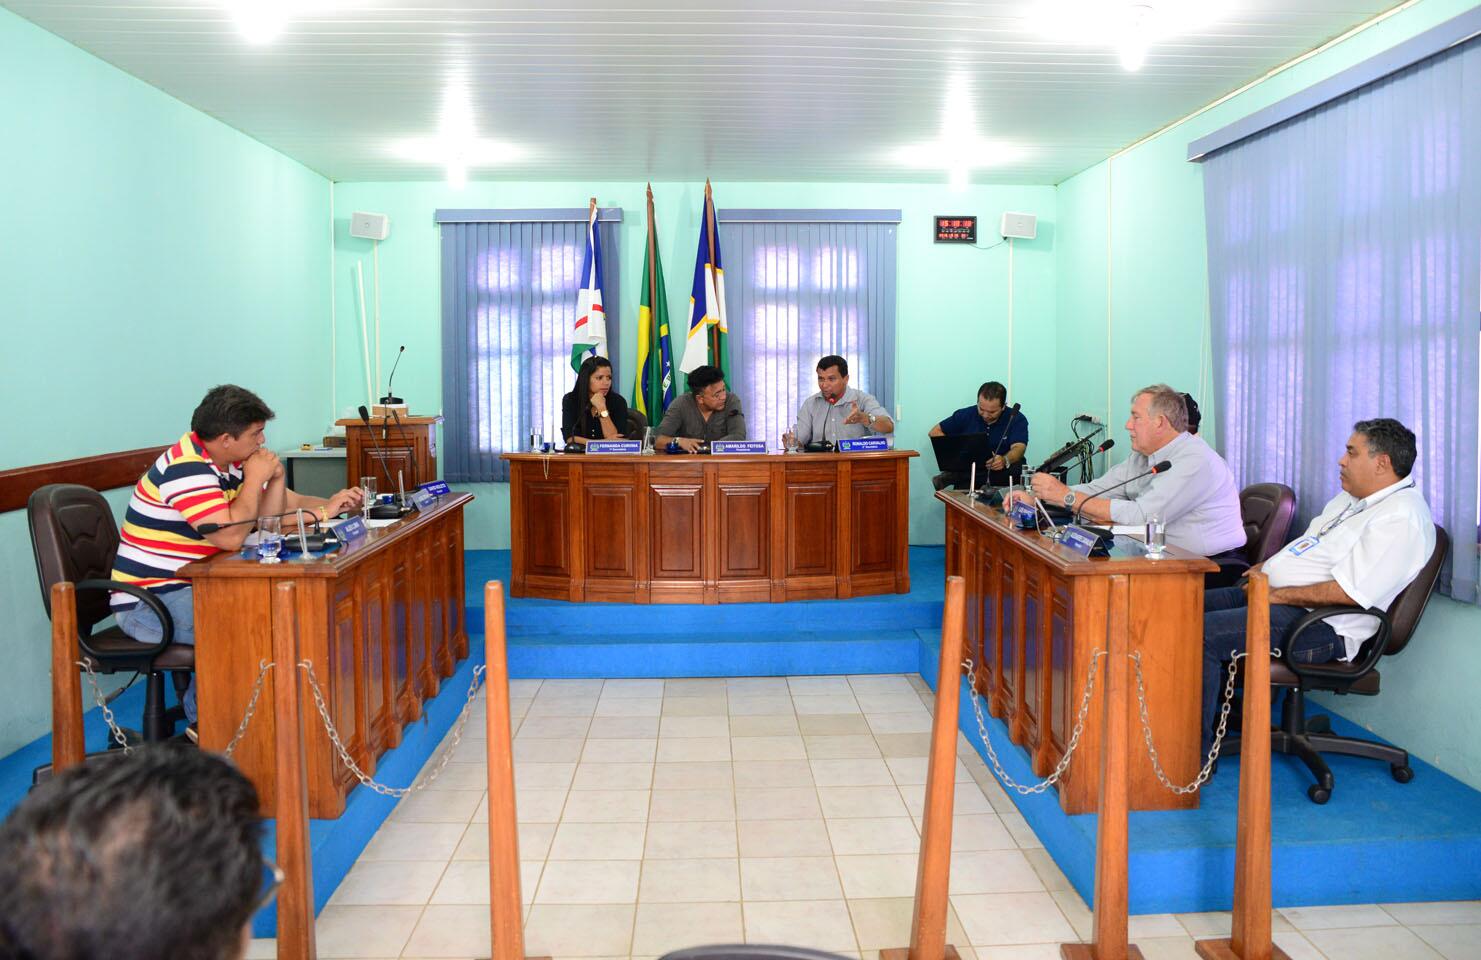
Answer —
408 446
382 624
709 529
1036 612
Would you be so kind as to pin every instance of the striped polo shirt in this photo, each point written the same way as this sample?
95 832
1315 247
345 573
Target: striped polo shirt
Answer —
182 489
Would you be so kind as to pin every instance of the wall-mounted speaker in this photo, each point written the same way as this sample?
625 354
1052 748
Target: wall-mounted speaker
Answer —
1019 226
371 226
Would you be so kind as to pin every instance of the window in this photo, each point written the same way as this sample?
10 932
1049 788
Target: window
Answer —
799 285
509 285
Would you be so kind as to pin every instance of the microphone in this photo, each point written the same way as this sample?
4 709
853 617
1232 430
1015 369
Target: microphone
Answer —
214 527
411 460
391 398
1108 444
1156 468
380 511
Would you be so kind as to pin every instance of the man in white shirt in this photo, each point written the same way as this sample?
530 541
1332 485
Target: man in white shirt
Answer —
1196 499
1364 548
837 411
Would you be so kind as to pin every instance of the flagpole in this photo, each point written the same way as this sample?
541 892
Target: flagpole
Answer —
655 349
710 216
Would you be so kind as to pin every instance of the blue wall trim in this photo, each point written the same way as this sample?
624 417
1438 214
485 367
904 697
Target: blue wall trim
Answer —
1452 32
808 216
535 215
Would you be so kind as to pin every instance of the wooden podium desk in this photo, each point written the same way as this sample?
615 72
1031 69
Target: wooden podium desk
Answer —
709 528
1036 612
409 446
382 623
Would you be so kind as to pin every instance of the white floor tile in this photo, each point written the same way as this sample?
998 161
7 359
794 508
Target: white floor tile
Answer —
900 722
598 841
757 686
991 919
833 725
1452 941
588 881
789 878
696 687
693 749
642 689
606 806
914 769
389 882
840 747
764 726
553 728
683 841
876 876
466 882
438 806
613 776
825 704
695 775
784 838
859 772
628 707
818 686
694 727
352 931
761 706
619 751
891 684
768 748
1372 943
820 924
1335 917
756 774
1424 914
873 835
713 706
547 751
532 806
664 927
414 841
884 923
691 805
690 881
778 803
994 871
861 802
623 728
545 776
573 930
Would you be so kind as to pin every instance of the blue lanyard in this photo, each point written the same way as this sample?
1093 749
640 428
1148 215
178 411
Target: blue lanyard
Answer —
1344 516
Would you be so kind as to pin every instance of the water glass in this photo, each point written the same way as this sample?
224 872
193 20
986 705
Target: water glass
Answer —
1156 536
792 445
648 435
269 539
537 441
368 485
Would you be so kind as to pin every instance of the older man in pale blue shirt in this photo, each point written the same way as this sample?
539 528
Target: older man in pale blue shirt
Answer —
838 411
1196 499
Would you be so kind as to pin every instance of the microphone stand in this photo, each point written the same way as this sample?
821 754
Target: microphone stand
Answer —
380 511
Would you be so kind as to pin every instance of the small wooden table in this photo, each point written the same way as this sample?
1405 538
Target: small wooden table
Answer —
382 622
709 529
1036 613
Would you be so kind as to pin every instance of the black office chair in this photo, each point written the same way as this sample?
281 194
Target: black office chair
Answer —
636 424
1267 510
75 540
1308 739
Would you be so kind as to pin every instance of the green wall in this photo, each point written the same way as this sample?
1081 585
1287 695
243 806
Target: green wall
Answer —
1148 301
953 301
147 252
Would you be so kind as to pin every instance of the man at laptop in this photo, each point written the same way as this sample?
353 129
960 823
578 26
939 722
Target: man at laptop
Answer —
1007 436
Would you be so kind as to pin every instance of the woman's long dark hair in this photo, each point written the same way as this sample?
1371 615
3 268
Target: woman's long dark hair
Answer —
582 391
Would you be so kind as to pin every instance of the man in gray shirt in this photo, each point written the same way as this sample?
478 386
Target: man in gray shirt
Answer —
707 412
1196 499
837 411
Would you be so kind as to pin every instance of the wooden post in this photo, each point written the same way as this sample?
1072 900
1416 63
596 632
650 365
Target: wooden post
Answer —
506 907
296 896
928 927
67 748
1112 856
1250 939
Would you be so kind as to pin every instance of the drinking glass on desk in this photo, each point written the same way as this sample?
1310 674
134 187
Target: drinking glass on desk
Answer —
368 485
269 539
1156 537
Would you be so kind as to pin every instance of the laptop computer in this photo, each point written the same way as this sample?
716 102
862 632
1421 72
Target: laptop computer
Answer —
957 454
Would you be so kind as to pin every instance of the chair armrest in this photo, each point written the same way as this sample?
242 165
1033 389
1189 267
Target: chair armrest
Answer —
166 622
1375 646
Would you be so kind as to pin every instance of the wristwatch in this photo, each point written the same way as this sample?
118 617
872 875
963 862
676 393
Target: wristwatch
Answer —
872 418
1069 500
604 415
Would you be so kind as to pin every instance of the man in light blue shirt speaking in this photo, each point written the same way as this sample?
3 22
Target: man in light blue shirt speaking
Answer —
837 411
1196 499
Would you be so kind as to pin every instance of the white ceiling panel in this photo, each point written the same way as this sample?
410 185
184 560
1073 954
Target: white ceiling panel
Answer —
809 90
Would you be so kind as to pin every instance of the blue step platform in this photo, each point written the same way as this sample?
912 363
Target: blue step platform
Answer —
1376 841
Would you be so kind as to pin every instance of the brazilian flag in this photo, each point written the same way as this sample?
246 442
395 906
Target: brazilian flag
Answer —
655 387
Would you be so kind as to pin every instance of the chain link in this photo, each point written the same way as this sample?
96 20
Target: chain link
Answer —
263 666
102 702
1069 750
1219 731
344 754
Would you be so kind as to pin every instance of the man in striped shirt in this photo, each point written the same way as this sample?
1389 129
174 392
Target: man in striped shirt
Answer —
218 473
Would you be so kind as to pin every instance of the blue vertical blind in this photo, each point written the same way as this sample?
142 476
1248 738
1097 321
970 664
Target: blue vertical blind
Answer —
799 285
1345 284
509 285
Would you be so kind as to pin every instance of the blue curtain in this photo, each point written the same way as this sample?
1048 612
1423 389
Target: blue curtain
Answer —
1344 254
509 285
799 285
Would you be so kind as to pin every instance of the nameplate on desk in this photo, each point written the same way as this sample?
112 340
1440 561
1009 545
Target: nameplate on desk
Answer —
614 446
436 488
1023 516
863 444
1087 543
423 499
350 531
737 446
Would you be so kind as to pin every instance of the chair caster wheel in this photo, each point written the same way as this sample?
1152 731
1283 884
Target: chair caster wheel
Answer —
1318 793
1402 774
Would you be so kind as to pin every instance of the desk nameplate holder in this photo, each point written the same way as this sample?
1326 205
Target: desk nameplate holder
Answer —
864 444
614 446
351 531
738 446
437 488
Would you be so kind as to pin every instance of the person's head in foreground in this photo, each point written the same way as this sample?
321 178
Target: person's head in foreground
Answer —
143 857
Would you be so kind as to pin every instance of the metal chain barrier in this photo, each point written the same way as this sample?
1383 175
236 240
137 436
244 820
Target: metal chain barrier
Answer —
263 666
102 702
1219 731
344 754
1069 750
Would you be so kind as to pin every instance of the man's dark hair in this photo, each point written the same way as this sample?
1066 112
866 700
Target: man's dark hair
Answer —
992 390
1391 437
1194 417
834 360
228 409
702 377
156 854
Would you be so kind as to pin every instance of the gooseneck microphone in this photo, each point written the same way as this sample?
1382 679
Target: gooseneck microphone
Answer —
390 397
380 511
1162 467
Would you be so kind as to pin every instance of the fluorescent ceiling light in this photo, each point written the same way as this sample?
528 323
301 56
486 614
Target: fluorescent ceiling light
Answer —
260 21
456 146
958 149
1130 27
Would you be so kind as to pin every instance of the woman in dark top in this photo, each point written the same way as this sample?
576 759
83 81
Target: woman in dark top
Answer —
593 410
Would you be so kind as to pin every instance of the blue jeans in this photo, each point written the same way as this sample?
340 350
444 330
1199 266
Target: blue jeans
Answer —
1224 618
140 623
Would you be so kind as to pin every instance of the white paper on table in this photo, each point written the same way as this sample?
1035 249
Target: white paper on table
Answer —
380 523
1137 532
